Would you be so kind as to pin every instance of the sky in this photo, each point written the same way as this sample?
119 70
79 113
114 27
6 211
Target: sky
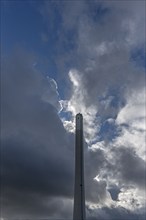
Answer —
59 58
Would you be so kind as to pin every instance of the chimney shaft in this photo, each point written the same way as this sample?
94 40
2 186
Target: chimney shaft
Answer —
79 190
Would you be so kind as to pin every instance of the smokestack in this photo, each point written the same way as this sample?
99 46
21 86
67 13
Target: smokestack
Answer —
79 189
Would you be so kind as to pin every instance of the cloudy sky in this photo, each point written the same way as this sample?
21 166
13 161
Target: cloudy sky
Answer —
59 58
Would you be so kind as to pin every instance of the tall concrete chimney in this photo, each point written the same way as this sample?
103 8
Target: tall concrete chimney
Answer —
79 189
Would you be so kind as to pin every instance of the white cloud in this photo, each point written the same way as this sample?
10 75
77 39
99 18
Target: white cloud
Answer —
51 94
134 109
105 65
131 198
77 104
133 114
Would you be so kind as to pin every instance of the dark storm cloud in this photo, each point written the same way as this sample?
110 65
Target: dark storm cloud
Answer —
29 166
37 153
18 205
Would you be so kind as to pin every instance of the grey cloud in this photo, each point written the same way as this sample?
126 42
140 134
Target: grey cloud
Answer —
94 162
37 153
126 167
116 214
131 167
18 205
94 159
121 169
